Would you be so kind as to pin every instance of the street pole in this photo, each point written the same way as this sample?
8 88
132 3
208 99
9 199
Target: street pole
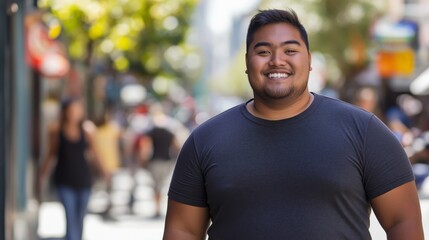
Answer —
3 79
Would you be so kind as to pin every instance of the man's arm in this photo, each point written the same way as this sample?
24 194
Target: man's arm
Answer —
398 212
185 222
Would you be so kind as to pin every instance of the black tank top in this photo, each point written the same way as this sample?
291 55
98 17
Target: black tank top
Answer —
72 168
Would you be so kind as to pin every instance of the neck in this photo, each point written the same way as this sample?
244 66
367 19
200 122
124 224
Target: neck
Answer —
280 109
71 125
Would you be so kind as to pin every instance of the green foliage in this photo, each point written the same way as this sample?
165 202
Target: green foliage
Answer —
338 29
133 35
345 32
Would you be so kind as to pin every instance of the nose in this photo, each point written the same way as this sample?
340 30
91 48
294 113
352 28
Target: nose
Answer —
277 59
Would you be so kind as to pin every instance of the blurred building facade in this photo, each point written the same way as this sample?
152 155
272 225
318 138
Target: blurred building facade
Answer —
19 123
3 49
14 152
11 30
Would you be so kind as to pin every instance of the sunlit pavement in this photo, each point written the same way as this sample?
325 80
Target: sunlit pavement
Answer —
139 225
122 225
126 227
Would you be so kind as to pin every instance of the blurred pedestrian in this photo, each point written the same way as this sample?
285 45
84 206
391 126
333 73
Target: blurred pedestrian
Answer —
290 164
157 152
107 141
70 142
367 99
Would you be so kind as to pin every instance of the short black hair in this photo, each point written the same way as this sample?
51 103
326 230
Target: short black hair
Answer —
265 17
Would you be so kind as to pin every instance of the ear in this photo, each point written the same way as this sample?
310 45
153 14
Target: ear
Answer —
309 59
245 56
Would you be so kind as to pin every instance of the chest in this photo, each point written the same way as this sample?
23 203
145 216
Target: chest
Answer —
284 166
71 142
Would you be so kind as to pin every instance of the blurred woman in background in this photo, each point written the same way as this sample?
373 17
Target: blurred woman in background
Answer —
71 150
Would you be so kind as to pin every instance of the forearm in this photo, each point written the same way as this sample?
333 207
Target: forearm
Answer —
176 234
45 167
96 161
185 222
98 164
410 230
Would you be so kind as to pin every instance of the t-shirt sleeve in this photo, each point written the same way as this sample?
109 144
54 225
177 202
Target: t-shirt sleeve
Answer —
386 165
187 185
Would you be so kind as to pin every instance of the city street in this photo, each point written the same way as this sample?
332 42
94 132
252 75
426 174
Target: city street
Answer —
52 226
122 224
140 225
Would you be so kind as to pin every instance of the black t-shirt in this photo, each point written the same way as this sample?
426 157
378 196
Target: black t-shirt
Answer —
162 140
306 177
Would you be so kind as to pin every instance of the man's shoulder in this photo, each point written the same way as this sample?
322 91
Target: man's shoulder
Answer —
225 119
342 108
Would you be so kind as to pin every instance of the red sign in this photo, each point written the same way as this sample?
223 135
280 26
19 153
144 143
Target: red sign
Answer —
45 55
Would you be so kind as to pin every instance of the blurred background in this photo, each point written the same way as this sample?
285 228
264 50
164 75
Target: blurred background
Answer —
131 60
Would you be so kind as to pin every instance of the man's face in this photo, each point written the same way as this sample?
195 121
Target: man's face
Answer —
278 62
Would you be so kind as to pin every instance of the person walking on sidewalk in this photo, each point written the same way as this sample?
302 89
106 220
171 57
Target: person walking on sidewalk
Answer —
107 141
70 142
290 164
157 152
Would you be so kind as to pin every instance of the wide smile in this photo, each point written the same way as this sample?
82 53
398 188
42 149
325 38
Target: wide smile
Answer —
278 75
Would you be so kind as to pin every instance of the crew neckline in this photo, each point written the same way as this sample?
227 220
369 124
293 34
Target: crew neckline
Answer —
313 106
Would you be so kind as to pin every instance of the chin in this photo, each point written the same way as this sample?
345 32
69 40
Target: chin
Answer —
279 94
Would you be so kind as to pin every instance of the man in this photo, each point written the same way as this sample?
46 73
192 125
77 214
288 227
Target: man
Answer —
158 150
290 164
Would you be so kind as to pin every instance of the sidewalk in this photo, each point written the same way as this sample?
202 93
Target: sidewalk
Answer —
126 227
122 225
140 225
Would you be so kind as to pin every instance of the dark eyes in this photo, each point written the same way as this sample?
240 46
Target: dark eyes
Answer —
263 52
267 52
290 51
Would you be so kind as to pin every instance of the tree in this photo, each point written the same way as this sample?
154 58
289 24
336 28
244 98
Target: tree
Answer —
144 37
338 29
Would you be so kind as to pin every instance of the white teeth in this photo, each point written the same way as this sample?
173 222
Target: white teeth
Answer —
278 75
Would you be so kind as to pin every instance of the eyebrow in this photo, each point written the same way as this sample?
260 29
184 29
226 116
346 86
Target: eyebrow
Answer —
259 44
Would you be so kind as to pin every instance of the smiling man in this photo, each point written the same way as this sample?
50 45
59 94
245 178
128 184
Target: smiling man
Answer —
290 164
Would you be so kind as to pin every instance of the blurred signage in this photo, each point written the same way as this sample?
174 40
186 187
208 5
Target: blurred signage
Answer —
44 54
396 43
398 62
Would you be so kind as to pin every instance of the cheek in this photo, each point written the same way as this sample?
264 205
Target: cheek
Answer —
81 112
305 62
254 63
